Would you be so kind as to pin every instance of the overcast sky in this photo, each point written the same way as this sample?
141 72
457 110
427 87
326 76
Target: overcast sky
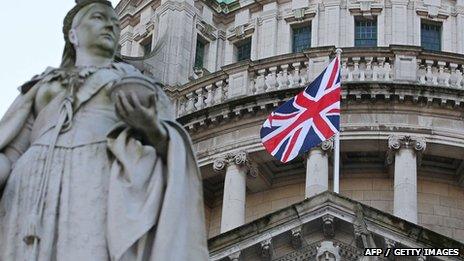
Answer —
31 40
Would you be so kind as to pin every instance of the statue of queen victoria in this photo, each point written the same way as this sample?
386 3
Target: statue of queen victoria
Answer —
93 165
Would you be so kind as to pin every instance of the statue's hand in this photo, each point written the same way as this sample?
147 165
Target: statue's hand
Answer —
142 118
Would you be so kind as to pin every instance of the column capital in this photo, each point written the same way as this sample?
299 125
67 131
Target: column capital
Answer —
239 158
325 146
397 142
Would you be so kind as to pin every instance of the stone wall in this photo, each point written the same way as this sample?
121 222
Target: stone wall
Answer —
375 192
441 208
263 203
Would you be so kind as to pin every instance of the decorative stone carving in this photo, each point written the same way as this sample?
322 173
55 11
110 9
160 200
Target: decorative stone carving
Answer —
328 251
239 158
362 234
235 256
389 243
365 7
297 238
395 142
309 252
327 145
266 249
328 226
207 30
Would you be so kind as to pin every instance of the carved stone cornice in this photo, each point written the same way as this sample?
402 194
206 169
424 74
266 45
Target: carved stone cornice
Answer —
239 158
397 142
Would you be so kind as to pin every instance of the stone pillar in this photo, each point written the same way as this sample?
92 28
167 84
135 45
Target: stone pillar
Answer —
317 169
176 33
460 24
237 166
399 22
405 151
268 33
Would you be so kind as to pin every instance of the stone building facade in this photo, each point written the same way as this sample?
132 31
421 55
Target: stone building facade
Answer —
228 63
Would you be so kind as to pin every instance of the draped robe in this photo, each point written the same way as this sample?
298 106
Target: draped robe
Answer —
107 196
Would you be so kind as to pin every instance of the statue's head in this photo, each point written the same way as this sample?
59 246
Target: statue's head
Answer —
91 27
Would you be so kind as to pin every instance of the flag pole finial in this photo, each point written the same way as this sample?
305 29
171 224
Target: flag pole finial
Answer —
339 51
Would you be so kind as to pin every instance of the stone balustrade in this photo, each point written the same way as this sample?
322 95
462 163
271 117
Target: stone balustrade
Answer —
394 64
440 72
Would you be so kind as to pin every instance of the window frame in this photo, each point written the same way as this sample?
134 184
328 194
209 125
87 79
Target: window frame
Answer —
238 45
147 41
300 26
196 61
440 34
365 42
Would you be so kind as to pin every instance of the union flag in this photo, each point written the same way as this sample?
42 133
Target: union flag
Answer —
306 120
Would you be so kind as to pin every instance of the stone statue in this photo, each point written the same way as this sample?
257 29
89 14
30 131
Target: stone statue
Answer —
92 170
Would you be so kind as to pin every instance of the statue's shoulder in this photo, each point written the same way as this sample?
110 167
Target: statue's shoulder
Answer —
47 75
126 69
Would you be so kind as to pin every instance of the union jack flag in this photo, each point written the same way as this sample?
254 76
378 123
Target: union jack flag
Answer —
307 119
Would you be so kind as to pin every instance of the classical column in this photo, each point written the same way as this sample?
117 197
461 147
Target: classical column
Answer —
317 169
404 151
237 166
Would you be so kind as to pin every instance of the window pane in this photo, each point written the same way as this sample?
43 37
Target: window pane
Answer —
146 45
365 32
199 54
431 36
301 38
243 50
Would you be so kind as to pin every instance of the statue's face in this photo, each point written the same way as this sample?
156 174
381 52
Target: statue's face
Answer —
97 31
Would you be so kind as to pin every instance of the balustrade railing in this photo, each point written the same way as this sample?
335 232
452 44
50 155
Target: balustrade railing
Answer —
384 65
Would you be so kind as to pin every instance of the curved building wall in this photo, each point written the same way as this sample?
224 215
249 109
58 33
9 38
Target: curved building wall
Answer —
393 89
269 27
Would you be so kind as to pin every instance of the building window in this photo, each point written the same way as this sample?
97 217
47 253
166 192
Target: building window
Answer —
365 32
431 35
301 38
199 54
243 50
146 45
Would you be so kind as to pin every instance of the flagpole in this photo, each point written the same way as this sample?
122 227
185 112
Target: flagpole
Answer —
337 147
